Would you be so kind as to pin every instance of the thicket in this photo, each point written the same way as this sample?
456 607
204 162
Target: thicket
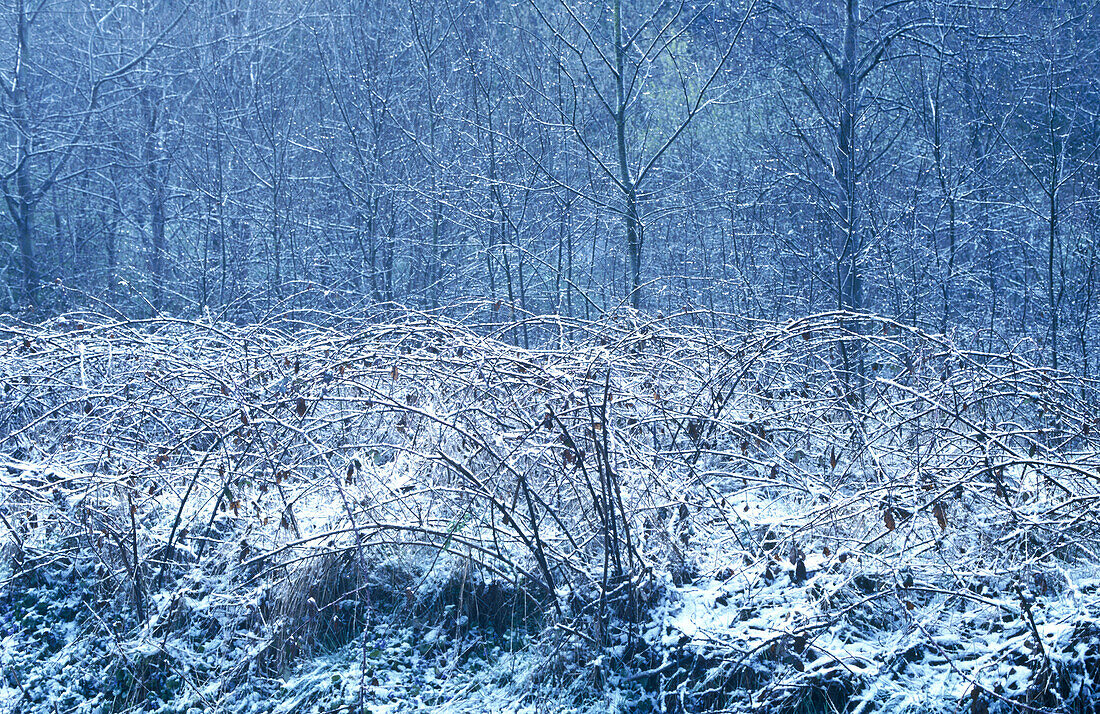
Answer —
810 515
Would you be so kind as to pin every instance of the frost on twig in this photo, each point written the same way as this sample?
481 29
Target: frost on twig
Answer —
716 516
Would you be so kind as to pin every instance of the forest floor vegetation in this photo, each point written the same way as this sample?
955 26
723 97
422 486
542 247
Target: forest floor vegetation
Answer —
837 513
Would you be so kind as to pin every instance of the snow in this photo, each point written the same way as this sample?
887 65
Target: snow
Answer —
391 542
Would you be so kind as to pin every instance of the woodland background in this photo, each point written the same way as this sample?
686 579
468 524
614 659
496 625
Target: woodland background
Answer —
933 161
549 356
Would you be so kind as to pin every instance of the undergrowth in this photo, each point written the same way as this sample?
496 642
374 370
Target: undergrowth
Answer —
643 514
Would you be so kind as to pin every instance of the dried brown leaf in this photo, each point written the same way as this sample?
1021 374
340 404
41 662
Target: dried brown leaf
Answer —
941 517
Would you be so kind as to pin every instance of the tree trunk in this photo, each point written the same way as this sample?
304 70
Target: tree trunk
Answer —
110 226
1052 222
154 186
849 280
630 213
21 206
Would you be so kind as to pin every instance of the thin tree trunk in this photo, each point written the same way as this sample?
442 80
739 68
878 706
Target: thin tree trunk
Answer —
21 206
155 187
849 281
630 213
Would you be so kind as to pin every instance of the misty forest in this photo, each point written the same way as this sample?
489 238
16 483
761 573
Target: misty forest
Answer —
677 356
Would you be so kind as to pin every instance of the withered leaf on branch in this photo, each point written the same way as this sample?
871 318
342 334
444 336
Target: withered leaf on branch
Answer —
941 517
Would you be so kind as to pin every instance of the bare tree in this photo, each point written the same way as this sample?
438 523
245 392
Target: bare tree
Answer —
49 104
618 58
1046 130
846 124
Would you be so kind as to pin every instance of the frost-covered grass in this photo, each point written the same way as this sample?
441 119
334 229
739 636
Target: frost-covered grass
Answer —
838 513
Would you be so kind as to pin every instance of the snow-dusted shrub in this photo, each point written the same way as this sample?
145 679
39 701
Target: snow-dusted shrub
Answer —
792 515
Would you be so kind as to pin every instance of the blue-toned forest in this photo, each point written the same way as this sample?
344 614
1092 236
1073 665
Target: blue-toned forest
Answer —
549 356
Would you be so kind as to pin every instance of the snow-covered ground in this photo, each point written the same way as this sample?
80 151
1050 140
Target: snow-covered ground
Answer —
837 513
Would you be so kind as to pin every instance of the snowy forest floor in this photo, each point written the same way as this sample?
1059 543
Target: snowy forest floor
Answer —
839 513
